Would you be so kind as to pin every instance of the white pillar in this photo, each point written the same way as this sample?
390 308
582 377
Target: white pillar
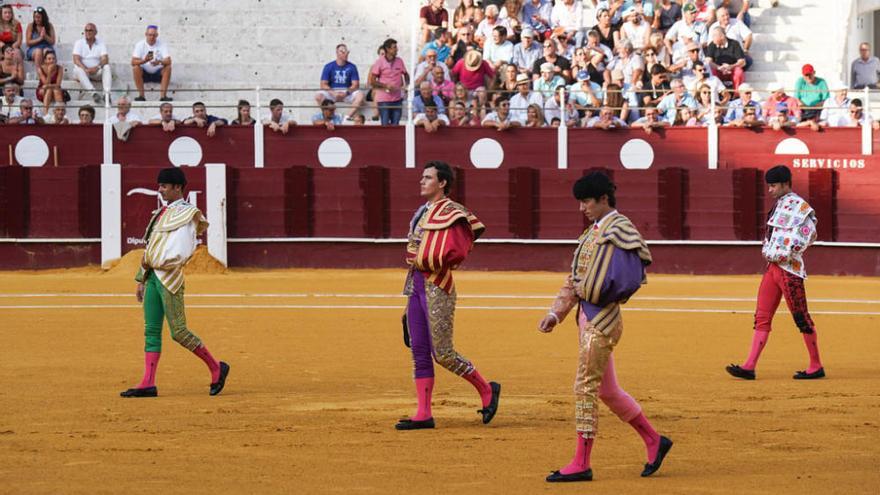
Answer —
410 145
215 200
410 133
258 134
111 213
712 136
867 127
562 136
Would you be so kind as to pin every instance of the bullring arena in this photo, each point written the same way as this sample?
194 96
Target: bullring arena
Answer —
297 282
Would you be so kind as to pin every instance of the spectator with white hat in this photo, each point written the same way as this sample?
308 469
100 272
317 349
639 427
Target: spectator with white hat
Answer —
548 82
635 29
835 108
747 99
519 103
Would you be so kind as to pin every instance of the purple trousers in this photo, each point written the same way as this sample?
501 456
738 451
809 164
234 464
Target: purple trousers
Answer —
429 316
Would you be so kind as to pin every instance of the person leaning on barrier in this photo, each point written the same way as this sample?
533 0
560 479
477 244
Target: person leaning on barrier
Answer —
501 118
431 120
854 117
200 118
750 118
559 106
835 108
58 114
125 114
26 114
650 122
606 120
91 62
340 82
737 108
524 97
327 117
278 120
782 118
166 118
244 114
86 115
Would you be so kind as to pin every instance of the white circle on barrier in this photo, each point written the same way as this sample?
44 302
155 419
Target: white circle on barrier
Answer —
637 154
487 153
31 151
185 152
792 146
334 153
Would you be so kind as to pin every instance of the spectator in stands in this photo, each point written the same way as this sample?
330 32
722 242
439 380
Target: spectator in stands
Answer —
536 15
559 107
201 118
598 57
464 44
750 118
684 60
279 120
26 114
11 101
656 44
777 96
498 50
50 75
441 85
782 118
151 62
687 25
737 108
91 62
534 116
243 112
657 87
560 65
166 118
726 58
705 11
11 67
501 119
10 30
359 119
327 117
340 82
490 22
703 76
650 122
608 35
387 77
548 82
684 117
617 101
86 114
442 46
431 17
666 14
467 14
811 91
629 63
835 108
426 95
473 72
58 114
678 98
567 21
737 31
459 116
606 120
703 96
855 118
864 70
40 36
738 8
506 77
643 7
430 119
585 95
635 29
125 114
425 68
527 51
511 11
524 97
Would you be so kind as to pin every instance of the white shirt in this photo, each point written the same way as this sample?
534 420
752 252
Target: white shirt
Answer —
715 85
8 109
129 117
493 117
636 33
160 52
519 106
423 66
832 110
736 30
484 29
494 53
284 118
420 117
90 55
174 116
569 17
697 31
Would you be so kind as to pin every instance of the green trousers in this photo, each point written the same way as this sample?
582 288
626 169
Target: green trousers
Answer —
161 304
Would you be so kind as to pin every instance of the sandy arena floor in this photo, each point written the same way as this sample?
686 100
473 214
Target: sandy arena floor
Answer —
320 375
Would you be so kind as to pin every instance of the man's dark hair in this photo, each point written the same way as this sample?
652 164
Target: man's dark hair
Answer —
389 43
444 173
198 104
327 103
88 108
275 102
341 45
657 69
779 174
430 104
595 185
440 31
857 102
501 30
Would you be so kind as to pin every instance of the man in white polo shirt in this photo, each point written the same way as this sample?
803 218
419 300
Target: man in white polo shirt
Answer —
151 62
91 62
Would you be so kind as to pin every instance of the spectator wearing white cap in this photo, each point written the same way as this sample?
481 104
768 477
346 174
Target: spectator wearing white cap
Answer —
547 83
498 50
777 96
527 51
635 29
524 97
865 70
835 108
736 109
585 95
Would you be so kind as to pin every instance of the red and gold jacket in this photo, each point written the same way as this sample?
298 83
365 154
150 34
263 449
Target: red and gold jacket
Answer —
440 237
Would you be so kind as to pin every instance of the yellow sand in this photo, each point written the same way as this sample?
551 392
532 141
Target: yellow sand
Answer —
314 393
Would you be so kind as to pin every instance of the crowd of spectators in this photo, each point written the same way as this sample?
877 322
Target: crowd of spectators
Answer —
492 63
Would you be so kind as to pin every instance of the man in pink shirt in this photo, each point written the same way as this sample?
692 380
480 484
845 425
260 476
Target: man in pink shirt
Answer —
388 76
474 73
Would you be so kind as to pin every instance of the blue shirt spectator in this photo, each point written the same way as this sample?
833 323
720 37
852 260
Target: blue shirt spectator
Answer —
426 92
340 76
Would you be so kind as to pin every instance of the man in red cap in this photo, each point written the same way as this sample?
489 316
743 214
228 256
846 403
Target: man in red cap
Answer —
811 91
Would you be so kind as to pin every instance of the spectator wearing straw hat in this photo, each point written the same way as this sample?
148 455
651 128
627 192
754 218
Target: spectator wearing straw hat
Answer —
835 107
548 82
777 96
473 72
527 51
811 91
151 62
519 103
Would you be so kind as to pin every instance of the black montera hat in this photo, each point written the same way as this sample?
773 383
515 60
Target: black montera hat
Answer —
171 175
593 185
778 174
